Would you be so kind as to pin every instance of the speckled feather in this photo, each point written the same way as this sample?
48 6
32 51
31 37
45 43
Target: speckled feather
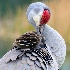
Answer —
29 61
28 40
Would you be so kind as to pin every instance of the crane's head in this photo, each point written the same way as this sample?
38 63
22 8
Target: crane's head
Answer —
38 14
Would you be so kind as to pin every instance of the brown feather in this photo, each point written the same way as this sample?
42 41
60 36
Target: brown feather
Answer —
28 40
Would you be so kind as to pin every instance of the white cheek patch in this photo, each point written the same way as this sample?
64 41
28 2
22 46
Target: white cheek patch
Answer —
37 18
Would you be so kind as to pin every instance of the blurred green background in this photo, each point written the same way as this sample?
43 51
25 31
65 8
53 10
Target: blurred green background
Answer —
13 22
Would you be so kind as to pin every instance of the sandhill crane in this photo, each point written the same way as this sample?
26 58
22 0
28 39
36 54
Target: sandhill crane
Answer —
43 49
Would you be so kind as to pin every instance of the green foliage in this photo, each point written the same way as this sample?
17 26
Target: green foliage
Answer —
5 45
7 6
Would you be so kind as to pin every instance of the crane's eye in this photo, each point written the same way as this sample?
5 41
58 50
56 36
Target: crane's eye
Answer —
45 17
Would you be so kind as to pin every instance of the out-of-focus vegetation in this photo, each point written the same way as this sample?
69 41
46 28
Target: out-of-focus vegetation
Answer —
13 22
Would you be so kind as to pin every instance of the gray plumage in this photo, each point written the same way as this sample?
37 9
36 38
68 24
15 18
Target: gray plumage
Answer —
29 61
36 58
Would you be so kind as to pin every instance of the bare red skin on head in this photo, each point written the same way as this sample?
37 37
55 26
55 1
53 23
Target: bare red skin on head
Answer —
45 17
